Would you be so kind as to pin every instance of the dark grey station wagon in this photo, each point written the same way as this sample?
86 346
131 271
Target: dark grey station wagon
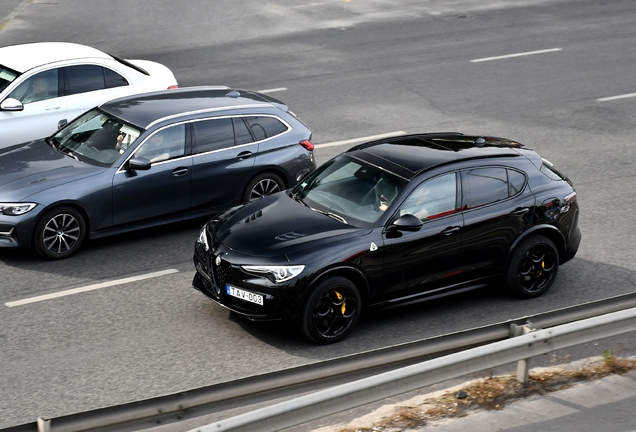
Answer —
145 160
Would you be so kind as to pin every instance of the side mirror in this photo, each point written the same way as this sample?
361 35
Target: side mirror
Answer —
139 164
407 222
11 104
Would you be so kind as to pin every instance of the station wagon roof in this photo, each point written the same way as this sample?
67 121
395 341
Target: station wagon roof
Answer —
408 155
145 109
23 57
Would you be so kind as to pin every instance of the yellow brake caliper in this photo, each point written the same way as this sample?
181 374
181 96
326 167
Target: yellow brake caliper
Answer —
344 305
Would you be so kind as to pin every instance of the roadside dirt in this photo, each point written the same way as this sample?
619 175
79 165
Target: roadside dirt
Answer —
491 393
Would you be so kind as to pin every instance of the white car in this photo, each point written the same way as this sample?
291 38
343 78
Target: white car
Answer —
47 84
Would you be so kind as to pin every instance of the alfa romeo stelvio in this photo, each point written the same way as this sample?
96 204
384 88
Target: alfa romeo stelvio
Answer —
393 221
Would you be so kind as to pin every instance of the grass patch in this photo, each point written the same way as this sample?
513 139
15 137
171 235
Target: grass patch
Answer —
494 393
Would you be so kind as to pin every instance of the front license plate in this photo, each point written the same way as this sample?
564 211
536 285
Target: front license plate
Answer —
244 295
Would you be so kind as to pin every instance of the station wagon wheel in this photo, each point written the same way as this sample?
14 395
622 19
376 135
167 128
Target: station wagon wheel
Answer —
533 267
261 185
331 311
59 233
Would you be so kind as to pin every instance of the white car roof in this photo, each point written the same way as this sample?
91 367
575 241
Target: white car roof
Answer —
23 57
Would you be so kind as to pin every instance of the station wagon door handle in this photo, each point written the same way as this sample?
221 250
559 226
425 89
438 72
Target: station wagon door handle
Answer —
244 155
52 108
178 172
520 211
450 230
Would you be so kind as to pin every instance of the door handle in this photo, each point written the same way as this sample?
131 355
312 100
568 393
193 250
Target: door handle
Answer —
450 230
52 108
178 172
520 211
244 155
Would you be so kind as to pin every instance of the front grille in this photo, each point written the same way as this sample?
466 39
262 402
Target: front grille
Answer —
220 273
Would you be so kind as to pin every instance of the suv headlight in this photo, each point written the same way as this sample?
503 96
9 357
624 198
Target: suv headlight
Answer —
16 209
276 274
203 239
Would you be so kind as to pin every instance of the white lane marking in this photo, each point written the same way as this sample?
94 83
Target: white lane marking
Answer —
273 90
515 55
90 288
361 140
605 99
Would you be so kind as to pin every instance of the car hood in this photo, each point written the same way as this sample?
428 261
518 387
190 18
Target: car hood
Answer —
277 225
29 168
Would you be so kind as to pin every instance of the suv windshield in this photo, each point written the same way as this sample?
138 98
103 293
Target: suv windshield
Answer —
6 77
96 138
350 190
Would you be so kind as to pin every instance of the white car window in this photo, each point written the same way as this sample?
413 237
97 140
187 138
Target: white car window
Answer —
39 87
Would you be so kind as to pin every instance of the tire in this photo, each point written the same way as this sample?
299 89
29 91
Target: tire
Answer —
59 233
261 185
331 310
533 267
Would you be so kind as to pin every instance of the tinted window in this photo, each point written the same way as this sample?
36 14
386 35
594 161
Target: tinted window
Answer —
168 143
484 186
432 199
265 127
241 133
113 79
39 87
516 181
214 134
85 78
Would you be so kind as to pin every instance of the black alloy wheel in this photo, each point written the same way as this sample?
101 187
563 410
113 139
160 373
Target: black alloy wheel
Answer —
331 311
533 267
261 185
59 233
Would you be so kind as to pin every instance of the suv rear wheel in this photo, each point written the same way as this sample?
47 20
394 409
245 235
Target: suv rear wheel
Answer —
533 267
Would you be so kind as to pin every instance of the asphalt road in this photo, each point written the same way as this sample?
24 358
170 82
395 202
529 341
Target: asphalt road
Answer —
352 69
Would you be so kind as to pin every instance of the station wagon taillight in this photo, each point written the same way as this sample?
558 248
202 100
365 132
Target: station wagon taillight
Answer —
307 145
172 87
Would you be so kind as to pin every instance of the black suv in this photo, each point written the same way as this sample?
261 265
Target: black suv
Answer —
393 221
145 160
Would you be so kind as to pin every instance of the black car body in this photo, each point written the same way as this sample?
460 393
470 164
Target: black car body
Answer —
145 160
391 222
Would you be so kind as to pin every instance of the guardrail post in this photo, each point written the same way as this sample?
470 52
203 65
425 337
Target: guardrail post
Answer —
44 424
523 366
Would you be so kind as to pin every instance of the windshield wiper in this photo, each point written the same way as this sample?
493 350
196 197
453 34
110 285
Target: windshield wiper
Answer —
331 215
50 141
68 152
336 217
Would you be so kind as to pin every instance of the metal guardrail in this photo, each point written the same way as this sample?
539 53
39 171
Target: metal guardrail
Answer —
371 389
220 397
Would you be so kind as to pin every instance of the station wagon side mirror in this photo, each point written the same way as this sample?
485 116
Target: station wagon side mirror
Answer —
407 222
139 164
11 104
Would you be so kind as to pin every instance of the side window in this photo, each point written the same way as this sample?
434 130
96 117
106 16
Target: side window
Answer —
168 143
39 87
433 199
263 127
113 79
85 78
241 133
214 134
484 186
516 182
